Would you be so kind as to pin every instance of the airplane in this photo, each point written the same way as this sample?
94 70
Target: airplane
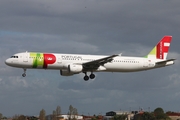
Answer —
70 64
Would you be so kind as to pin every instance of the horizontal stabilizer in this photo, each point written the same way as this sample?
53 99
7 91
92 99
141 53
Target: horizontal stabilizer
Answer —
165 61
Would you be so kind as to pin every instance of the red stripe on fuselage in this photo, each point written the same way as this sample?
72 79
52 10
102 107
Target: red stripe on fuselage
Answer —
48 59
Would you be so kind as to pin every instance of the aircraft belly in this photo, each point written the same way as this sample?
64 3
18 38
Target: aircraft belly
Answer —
120 67
54 66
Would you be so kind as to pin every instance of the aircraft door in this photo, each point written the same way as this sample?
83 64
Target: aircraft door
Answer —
59 60
148 63
145 64
25 57
151 63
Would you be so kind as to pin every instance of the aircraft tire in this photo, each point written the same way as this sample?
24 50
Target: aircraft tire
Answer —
86 78
92 76
24 75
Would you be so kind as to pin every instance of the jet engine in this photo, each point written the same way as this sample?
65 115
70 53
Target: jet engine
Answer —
65 72
71 69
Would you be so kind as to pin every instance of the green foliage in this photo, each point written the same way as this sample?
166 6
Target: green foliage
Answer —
119 117
160 115
96 117
146 116
32 118
19 117
4 118
22 117
1 116
159 111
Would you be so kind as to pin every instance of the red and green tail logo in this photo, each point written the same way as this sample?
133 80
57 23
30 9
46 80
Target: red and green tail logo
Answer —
160 51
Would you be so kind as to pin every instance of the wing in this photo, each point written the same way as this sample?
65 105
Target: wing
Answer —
94 65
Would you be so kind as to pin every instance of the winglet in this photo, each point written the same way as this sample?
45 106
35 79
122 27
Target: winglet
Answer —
120 54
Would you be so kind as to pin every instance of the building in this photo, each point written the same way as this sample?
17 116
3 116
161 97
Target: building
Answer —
174 115
130 114
66 117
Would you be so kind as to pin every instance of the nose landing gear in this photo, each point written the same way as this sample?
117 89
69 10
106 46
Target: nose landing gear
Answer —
24 74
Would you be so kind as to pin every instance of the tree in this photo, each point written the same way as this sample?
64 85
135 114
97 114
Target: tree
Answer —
15 117
54 115
42 115
1 116
147 116
159 111
75 113
72 112
120 117
32 118
58 111
21 117
159 114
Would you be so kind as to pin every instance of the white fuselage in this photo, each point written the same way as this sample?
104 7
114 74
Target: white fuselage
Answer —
118 64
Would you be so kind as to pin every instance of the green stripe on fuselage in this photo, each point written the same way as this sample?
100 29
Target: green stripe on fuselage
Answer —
38 59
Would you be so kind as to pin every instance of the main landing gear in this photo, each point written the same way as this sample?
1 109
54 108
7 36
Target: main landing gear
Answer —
24 74
91 76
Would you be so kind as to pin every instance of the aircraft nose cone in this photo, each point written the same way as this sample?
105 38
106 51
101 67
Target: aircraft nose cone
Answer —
8 62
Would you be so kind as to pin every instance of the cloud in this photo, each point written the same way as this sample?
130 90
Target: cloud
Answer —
88 27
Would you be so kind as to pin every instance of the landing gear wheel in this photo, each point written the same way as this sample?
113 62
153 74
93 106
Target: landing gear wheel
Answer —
86 78
92 76
24 75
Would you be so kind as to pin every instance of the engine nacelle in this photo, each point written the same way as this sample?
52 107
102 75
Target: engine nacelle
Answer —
73 68
66 73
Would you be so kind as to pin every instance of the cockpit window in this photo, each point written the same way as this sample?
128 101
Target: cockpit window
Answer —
14 56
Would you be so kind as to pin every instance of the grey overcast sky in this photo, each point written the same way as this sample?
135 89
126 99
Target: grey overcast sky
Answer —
130 27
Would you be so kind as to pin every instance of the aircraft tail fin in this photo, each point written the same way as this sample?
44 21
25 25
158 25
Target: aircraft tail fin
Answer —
160 51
